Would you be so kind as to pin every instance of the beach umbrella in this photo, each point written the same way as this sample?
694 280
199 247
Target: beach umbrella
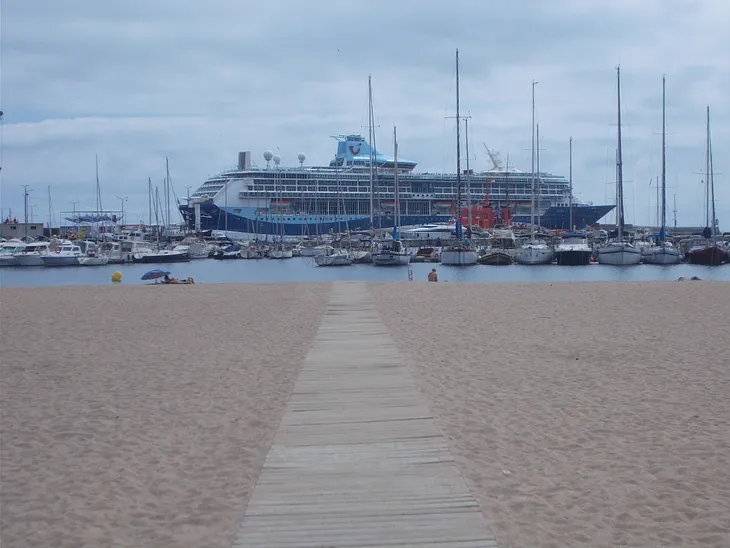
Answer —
154 274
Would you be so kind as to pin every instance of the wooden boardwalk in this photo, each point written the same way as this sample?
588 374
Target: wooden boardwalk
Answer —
357 459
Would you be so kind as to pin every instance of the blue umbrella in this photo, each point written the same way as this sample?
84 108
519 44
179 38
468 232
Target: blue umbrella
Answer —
154 274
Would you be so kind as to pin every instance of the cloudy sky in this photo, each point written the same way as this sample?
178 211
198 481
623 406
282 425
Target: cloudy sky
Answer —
137 81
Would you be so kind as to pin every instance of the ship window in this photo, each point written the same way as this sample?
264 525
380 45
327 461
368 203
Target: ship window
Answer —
237 210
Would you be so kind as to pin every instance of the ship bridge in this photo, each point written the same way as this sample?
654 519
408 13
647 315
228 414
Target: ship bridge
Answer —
354 150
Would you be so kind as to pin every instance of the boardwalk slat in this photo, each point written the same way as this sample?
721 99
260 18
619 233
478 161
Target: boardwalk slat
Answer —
357 459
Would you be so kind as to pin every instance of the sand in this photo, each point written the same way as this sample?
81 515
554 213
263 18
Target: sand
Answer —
593 414
141 416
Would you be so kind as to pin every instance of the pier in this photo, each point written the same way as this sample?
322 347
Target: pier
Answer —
357 459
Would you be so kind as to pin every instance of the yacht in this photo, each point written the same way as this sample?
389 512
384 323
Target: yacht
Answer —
65 255
8 251
33 254
573 250
333 257
390 253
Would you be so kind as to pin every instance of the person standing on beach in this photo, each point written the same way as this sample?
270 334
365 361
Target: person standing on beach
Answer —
433 276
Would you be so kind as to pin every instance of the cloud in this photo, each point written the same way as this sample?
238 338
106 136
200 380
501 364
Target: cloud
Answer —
135 82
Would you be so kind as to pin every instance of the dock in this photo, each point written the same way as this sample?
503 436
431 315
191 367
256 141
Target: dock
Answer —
357 459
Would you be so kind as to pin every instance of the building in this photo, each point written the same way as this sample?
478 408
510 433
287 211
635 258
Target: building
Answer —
9 230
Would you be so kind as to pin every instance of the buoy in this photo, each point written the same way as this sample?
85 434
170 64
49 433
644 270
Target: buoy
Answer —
117 277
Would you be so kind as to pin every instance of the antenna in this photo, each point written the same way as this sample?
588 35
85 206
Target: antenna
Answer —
301 157
268 155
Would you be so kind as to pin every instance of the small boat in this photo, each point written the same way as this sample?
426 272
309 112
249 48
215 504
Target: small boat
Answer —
33 254
573 250
227 253
496 258
9 251
362 256
334 257
66 255
162 256
281 251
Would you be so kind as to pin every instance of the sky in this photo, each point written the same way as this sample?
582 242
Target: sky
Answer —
136 82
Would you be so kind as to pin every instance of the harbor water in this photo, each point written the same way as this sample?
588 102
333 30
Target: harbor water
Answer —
303 269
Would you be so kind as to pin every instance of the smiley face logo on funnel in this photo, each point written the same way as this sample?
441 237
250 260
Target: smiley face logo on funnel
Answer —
355 152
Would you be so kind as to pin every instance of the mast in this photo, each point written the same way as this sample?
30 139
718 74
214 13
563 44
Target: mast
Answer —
532 169
468 176
50 213
149 198
458 155
664 161
167 191
570 179
711 179
396 201
371 139
537 193
619 165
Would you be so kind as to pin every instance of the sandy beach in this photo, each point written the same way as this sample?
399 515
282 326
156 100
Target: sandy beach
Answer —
591 414
580 414
141 416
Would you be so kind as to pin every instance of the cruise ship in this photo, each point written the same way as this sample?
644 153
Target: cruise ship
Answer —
348 194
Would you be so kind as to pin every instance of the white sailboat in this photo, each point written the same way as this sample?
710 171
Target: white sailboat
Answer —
461 252
664 252
619 252
392 252
535 251
280 250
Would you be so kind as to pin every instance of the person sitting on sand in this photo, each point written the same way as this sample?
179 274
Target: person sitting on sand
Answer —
433 276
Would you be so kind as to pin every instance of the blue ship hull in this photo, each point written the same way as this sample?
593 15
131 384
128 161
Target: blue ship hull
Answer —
214 218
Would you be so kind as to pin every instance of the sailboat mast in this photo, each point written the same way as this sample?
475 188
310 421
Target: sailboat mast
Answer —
167 190
468 175
50 213
149 199
396 201
99 207
458 154
664 159
711 179
570 178
532 169
371 139
537 176
619 164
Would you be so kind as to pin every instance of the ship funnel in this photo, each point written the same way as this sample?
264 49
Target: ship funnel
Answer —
244 161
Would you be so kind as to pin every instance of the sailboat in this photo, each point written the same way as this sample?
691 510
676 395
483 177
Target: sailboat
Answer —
664 252
92 255
335 256
393 252
461 253
280 250
533 252
619 252
711 254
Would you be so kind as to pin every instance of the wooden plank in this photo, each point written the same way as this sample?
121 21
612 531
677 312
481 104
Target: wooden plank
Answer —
357 459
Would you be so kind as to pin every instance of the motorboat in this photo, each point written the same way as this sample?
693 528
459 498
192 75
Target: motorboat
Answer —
65 255
33 254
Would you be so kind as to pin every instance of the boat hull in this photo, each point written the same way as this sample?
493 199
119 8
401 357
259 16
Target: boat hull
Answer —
161 258
573 257
93 261
619 256
214 218
55 260
458 257
29 260
661 256
336 259
533 255
707 256
496 258
391 258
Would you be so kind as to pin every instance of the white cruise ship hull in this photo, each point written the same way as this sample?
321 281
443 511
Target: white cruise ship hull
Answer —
619 255
458 257
532 255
